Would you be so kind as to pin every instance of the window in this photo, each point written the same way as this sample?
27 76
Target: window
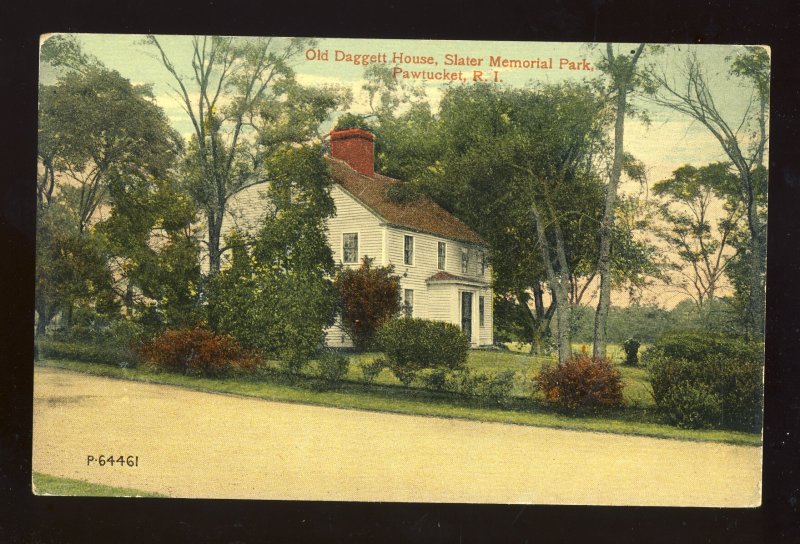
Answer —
408 302
408 250
350 247
464 260
483 264
442 255
481 311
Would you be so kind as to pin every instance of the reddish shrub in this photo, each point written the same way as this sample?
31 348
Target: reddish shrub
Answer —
197 351
370 297
582 381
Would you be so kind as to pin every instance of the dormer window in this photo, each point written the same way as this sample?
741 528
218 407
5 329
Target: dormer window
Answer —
464 260
350 247
408 250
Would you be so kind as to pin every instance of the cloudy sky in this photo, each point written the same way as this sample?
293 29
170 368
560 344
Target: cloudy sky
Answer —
669 141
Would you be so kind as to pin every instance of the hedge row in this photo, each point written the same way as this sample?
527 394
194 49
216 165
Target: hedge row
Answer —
107 354
702 380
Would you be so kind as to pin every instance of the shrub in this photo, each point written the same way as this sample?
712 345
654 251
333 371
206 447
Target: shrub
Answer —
102 353
371 370
631 347
435 380
333 367
717 391
369 298
412 344
197 351
692 405
490 387
582 382
699 346
278 313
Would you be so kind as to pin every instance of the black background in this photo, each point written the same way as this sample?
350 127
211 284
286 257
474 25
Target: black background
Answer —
26 518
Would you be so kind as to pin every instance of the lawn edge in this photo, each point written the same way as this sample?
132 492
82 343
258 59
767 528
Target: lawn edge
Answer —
54 363
137 493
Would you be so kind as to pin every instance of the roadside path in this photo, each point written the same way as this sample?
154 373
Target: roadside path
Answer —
205 445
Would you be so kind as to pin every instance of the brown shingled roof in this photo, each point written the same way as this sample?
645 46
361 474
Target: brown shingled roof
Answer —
423 215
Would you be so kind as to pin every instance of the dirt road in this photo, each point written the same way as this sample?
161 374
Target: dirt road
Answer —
193 444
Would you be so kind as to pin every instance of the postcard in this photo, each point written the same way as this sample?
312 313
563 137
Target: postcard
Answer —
407 271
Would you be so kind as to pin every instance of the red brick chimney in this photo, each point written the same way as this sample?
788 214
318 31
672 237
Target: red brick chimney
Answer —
355 147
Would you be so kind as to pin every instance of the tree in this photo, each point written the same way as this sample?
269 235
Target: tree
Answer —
369 297
71 268
96 131
245 108
401 118
623 79
518 167
156 252
690 198
744 141
277 297
94 125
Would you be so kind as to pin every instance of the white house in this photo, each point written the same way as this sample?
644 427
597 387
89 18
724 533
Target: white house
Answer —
444 274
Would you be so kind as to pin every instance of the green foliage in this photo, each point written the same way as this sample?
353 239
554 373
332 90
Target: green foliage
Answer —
105 353
333 368
72 268
249 114
281 314
435 380
95 127
631 347
102 142
707 380
582 382
351 120
164 278
487 387
700 246
197 351
691 405
645 323
701 346
369 297
540 145
276 297
411 344
371 370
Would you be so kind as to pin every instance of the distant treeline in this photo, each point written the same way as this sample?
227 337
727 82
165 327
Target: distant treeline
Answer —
648 322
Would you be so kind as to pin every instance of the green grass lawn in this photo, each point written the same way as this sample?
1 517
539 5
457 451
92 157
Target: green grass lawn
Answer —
45 484
387 395
636 391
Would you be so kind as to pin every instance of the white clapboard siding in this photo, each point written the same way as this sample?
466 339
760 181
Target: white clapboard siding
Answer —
351 217
425 264
386 243
487 331
443 303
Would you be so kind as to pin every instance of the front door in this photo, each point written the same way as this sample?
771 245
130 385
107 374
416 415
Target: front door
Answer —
466 314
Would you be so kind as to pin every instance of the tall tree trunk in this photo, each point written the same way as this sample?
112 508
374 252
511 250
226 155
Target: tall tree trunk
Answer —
606 229
621 80
66 317
42 318
540 328
755 266
558 287
214 237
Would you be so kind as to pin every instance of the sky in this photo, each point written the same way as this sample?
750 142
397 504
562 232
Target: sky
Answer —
668 142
